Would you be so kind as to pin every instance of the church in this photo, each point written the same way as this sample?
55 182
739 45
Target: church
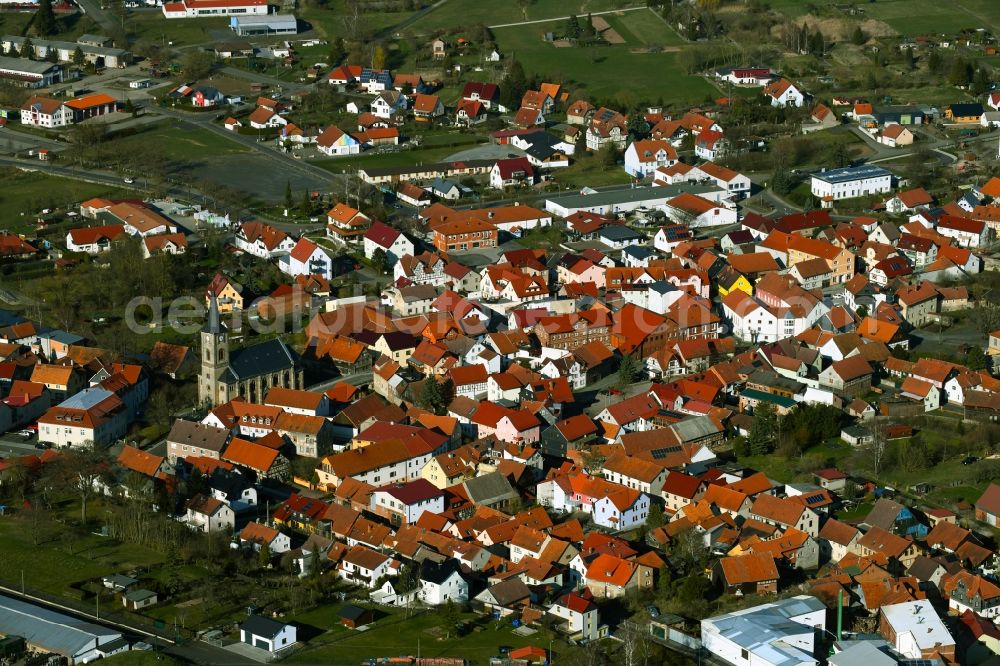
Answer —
248 372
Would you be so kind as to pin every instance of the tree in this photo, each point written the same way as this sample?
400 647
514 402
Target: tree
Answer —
761 437
288 194
430 395
781 183
45 19
628 370
264 556
337 51
588 27
878 446
306 205
378 58
655 517
980 82
908 59
858 36
862 311
515 84
975 359
197 64
28 48
573 30
959 73
609 155
381 261
450 614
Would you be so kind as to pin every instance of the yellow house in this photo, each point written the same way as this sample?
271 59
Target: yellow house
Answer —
229 294
730 280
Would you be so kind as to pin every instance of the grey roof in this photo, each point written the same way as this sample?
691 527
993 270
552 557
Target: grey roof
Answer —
439 574
258 625
87 398
694 428
139 595
442 185
847 174
64 337
283 21
120 580
505 592
619 232
762 630
91 38
489 488
38 67
884 514
633 194
50 630
67 46
639 251
262 359
862 653
352 612
192 433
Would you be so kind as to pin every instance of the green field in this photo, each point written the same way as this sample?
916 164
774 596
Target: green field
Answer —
394 635
24 194
329 22
402 158
468 13
611 72
180 141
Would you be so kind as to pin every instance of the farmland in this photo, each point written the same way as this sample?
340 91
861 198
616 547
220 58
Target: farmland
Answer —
911 17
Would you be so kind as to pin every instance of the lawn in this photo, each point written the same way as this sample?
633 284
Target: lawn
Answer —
589 171
609 72
394 635
180 141
468 13
14 23
24 194
329 20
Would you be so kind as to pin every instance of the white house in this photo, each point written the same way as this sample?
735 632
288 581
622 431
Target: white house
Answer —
642 158
696 211
46 112
404 503
388 103
731 181
850 182
307 258
784 93
207 514
443 583
334 142
267 634
262 240
363 566
580 614
915 629
394 243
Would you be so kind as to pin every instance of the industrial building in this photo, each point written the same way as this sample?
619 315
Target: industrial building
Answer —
29 73
254 26
49 631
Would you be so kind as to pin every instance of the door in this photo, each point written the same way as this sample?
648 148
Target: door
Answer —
261 643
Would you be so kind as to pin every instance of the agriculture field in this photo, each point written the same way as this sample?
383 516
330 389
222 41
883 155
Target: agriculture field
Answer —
612 72
913 17
468 13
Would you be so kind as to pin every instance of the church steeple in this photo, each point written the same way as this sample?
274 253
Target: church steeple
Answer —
214 355
213 325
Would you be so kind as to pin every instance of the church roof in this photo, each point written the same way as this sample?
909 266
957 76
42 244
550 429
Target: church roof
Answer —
261 359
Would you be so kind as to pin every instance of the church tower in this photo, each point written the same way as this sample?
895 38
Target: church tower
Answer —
214 358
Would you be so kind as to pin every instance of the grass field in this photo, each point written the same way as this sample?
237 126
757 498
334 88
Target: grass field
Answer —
153 26
468 13
605 71
329 19
179 141
402 158
914 17
14 23
644 28
24 194
394 635
50 567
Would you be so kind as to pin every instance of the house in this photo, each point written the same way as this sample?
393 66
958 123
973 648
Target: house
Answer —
910 200
642 158
392 242
580 615
164 244
710 145
93 240
487 94
752 573
914 629
850 182
389 103
607 127
404 503
264 461
968 591
695 211
781 633
988 506
851 376
442 583
610 577
263 118
45 112
189 438
823 117
363 566
427 107
94 416
207 514
345 223
512 172
265 633
258 536
262 240
785 513
964 113
468 234
784 93
896 136
307 258
334 142
470 112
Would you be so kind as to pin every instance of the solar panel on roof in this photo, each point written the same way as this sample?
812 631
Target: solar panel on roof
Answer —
664 452
815 499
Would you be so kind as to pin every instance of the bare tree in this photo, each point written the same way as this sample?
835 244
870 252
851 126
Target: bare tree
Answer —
877 448
635 645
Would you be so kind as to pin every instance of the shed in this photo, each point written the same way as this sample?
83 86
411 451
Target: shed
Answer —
138 599
266 634
118 582
353 617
